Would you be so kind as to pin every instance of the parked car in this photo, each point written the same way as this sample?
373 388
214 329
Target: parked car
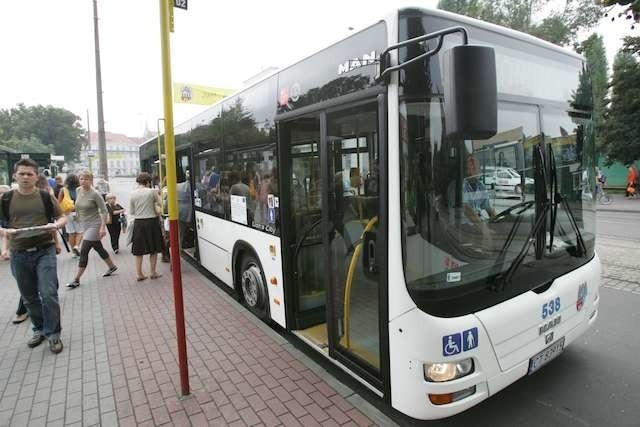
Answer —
505 181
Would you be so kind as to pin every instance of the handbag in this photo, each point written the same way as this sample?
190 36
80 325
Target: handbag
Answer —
130 227
67 205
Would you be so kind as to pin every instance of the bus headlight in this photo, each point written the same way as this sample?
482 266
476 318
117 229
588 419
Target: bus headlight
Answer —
438 372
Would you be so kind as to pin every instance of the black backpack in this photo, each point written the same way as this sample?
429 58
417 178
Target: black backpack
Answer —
46 201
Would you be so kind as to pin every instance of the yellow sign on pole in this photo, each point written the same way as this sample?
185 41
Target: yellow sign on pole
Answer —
201 95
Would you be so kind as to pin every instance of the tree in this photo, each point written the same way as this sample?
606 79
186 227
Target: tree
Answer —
622 120
593 49
631 10
41 128
560 26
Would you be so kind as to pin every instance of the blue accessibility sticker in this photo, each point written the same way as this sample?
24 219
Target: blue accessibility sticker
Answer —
451 344
470 339
462 341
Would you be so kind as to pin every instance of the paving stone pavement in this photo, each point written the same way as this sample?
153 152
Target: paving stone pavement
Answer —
119 365
620 264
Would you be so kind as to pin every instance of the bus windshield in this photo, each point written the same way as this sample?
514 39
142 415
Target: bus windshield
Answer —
486 220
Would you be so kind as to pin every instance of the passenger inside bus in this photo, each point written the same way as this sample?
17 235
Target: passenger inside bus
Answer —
476 207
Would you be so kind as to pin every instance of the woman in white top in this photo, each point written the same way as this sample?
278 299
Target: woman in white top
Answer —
144 208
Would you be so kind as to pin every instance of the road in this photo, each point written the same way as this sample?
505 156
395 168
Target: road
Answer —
619 224
122 188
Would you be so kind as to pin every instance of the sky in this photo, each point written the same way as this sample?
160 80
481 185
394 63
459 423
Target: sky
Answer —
49 54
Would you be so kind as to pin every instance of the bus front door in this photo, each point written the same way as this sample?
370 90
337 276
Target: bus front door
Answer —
352 215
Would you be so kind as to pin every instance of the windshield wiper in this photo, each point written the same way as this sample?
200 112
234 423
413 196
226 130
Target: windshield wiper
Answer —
542 209
558 198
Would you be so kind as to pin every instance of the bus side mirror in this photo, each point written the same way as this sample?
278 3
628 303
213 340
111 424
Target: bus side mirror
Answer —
470 92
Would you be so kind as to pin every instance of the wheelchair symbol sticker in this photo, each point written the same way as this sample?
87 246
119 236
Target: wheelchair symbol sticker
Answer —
451 344
462 341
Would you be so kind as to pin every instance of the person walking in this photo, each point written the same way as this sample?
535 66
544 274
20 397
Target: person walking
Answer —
146 236
113 221
90 215
103 187
32 252
21 312
631 182
59 185
67 199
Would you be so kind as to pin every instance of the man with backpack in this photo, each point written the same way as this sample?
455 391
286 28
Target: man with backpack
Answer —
32 216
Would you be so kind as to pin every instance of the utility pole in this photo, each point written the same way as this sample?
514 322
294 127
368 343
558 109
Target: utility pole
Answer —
87 148
102 143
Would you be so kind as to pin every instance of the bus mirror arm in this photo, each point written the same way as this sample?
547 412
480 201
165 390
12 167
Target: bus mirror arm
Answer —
469 81
384 63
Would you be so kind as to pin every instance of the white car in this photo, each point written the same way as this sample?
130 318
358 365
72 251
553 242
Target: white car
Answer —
504 180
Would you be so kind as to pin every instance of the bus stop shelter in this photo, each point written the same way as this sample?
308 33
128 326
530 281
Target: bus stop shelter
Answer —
9 156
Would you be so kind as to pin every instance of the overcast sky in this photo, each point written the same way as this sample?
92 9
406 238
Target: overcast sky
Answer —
48 49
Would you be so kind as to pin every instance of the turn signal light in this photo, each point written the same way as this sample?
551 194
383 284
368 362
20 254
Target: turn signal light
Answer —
273 281
443 399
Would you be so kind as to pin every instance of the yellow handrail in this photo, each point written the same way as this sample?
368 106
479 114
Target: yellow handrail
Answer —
347 287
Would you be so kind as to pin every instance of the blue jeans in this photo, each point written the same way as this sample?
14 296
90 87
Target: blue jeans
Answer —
37 276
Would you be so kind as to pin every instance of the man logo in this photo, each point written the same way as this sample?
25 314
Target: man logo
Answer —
352 64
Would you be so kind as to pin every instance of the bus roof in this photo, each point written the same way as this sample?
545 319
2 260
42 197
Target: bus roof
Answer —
394 13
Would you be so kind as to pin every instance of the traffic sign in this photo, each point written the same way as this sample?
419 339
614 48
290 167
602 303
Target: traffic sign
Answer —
91 154
180 4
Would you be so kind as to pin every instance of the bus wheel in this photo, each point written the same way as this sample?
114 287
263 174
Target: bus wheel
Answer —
254 290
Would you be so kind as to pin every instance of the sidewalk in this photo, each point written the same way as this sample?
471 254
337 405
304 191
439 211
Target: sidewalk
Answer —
119 365
620 204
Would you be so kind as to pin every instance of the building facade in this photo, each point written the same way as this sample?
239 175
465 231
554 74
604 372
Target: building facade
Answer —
122 154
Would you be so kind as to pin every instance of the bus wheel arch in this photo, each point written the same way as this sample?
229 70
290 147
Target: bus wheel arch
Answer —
249 280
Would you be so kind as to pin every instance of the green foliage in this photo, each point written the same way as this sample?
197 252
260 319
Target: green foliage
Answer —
595 54
42 129
630 12
622 120
560 26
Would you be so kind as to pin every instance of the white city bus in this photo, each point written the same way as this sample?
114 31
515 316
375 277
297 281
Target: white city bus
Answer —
343 199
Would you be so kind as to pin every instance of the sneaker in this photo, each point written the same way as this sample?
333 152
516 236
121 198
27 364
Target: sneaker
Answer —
55 345
110 271
35 340
73 285
76 251
20 318
115 251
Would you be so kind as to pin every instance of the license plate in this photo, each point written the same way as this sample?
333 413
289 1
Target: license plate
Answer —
545 356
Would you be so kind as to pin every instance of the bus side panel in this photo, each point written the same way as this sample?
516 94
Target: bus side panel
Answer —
216 239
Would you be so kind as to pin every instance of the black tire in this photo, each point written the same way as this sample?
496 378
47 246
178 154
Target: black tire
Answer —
252 287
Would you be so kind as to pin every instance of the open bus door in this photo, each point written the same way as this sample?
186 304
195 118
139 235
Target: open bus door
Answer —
334 268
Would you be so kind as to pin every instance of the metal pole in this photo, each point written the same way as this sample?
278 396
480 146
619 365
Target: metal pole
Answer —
102 143
170 148
160 152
